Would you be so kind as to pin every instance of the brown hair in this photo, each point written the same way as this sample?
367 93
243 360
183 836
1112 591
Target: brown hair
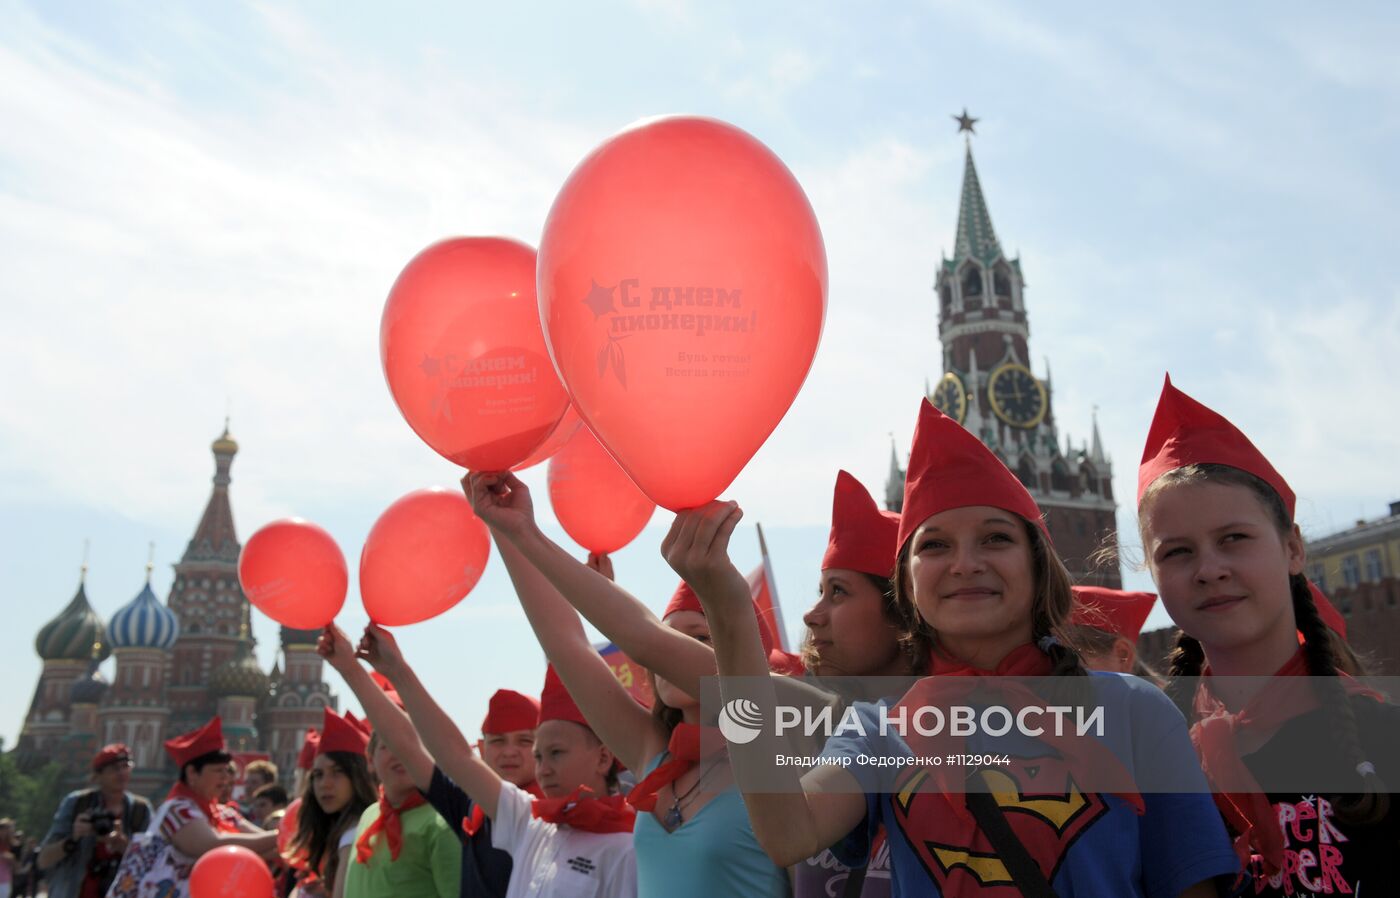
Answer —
318 833
1051 604
1319 643
915 660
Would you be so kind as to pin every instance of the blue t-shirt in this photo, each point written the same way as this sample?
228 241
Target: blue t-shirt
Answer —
714 853
1093 844
485 870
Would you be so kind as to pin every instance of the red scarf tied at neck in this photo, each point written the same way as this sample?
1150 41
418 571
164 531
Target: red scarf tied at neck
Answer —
220 822
1081 753
472 823
687 748
1216 735
582 811
389 823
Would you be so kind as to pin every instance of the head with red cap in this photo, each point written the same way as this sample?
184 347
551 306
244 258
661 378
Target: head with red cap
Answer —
202 759
976 574
567 752
337 791
854 628
1106 625
111 768
1217 526
508 736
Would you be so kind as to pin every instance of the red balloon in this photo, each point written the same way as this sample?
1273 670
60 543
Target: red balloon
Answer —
464 354
423 555
292 571
598 504
286 829
563 432
230 871
682 284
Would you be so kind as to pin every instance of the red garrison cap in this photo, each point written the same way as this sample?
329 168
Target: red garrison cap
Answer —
510 711
863 538
342 734
685 599
386 687
786 663
1184 432
555 701
950 468
1114 610
188 746
110 754
308 749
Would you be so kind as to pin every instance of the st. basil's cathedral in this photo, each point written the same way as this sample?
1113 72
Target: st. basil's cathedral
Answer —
178 663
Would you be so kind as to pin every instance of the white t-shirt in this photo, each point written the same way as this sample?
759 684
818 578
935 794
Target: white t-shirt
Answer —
554 861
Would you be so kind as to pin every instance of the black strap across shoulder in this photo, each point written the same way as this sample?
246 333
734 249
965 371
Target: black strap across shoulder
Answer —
1025 872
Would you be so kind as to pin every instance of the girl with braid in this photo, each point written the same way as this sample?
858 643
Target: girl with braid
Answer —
988 598
1268 714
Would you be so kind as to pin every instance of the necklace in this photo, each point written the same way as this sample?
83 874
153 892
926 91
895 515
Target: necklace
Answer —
673 818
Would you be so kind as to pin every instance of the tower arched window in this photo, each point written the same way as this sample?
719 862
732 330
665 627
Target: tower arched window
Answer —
972 281
1001 280
1025 472
1059 477
1089 479
945 297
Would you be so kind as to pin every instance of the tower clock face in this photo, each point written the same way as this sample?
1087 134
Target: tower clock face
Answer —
1016 396
950 398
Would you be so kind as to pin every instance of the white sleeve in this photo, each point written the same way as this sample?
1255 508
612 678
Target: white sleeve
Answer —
347 838
512 823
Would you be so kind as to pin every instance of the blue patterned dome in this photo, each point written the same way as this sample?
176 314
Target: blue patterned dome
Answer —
143 623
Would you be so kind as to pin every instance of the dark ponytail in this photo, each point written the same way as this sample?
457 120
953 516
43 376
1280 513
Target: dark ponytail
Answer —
1184 664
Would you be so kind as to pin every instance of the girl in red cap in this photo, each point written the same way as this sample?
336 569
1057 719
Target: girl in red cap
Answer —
692 835
1220 540
991 597
337 791
1106 624
190 821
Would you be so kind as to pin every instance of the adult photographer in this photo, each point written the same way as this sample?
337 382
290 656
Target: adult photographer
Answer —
92 828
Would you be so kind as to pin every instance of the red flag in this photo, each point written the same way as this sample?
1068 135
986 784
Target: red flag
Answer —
764 589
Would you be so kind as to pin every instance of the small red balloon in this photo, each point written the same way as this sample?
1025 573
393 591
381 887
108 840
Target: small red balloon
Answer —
464 354
286 829
230 871
596 502
423 555
563 432
293 571
682 284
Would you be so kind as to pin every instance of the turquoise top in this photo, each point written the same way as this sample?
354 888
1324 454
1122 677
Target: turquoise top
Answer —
713 854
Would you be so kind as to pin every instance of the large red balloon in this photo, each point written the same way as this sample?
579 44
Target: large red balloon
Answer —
598 504
563 432
682 284
230 871
423 555
293 571
464 354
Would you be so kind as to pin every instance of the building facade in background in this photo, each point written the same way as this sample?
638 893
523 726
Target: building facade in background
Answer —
988 386
178 663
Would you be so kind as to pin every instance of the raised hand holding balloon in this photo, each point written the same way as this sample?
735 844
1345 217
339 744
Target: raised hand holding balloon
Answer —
682 287
293 571
423 555
464 355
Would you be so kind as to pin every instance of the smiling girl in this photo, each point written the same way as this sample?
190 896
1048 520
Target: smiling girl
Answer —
1220 540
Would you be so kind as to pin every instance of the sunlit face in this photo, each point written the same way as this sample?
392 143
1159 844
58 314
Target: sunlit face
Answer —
393 776
511 755
848 628
1220 564
330 784
972 577
567 756
263 807
115 777
694 625
211 781
255 780
1120 657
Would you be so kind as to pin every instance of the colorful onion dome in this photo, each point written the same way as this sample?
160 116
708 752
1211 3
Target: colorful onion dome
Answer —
240 675
144 623
75 634
90 688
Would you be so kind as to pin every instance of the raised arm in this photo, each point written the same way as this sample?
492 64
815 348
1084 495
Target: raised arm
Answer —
389 721
625 727
799 818
439 734
617 614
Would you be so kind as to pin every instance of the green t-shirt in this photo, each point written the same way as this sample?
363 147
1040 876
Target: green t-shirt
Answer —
429 864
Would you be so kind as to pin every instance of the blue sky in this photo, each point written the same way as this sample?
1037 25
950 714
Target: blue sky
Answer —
202 208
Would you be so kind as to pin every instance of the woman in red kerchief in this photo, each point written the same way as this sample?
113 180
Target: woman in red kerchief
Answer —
337 791
191 821
992 597
1219 535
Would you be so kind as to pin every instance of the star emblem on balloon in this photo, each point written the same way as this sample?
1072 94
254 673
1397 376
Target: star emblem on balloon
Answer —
600 300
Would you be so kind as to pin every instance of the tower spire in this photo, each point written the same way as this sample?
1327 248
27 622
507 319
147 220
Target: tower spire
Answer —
976 238
214 539
1096 451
